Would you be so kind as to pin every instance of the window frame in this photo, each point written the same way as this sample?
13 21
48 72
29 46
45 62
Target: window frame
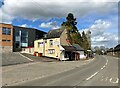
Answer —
50 43
6 31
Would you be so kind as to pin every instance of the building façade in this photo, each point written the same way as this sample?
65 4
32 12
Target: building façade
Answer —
14 38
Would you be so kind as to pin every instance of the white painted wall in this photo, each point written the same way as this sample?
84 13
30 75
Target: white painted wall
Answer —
62 56
81 54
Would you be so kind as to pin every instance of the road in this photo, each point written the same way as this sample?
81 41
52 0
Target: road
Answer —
103 71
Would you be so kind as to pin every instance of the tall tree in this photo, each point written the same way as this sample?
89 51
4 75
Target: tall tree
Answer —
73 33
85 43
70 24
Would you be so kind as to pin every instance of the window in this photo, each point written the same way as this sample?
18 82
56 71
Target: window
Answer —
66 55
51 51
24 39
40 44
37 37
24 34
17 33
17 38
45 41
51 43
6 31
17 44
3 40
6 40
21 38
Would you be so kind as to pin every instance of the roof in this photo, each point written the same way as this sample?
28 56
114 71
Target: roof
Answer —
55 33
110 50
117 48
69 48
18 27
78 47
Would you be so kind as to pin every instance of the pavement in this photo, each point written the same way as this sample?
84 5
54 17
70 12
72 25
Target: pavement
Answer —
36 58
21 73
102 71
13 59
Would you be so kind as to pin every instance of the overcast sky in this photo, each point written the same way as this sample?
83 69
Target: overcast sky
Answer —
101 18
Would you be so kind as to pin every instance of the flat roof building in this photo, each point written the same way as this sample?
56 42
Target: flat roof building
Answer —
14 38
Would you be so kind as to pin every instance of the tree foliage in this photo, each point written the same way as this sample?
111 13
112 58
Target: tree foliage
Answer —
70 24
74 34
85 43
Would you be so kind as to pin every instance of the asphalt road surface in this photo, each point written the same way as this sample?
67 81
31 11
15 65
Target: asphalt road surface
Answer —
103 71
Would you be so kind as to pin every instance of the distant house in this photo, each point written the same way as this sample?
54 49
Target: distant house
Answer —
56 44
114 51
117 50
110 52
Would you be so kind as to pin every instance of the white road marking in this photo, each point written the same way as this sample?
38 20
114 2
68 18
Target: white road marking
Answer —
102 68
26 57
106 62
92 75
97 71
106 78
111 80
102 78
105 65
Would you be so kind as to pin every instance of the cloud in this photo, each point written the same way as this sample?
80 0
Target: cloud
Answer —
24 25
48 25
35 9
52 25
55 27
99 34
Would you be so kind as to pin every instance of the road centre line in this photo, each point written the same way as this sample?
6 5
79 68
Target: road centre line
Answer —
92 75
97 71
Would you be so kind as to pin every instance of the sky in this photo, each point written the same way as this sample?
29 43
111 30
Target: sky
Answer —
98 16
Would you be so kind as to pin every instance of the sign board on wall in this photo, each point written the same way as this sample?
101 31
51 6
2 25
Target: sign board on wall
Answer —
56 43
24 44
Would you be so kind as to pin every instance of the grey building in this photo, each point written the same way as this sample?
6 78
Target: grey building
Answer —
24 37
